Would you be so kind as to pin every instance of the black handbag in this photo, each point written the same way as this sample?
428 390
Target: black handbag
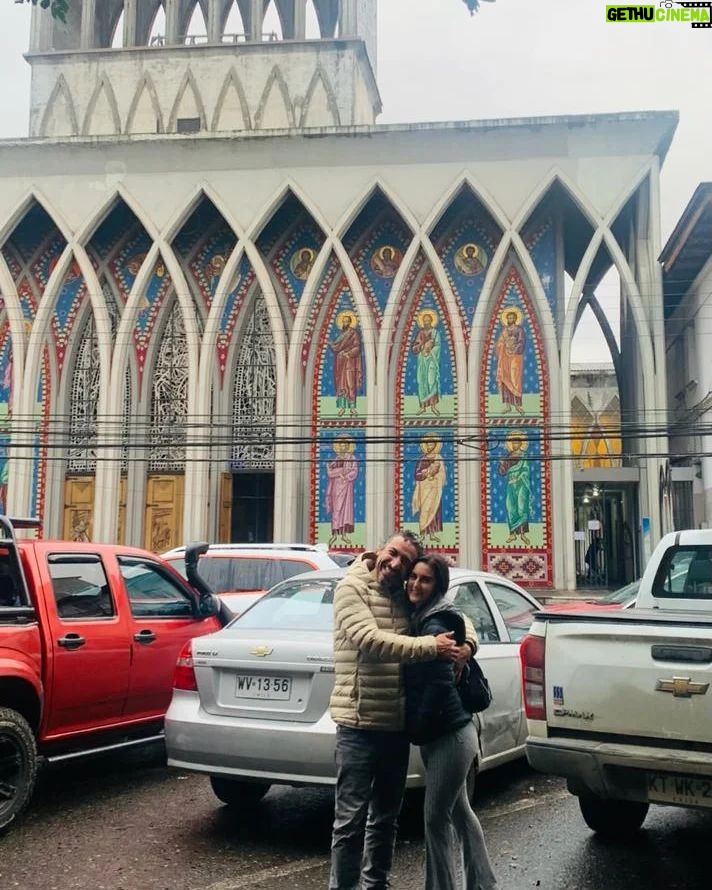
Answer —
473 688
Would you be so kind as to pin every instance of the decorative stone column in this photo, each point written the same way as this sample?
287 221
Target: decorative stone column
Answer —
87 38
172 17
129 23
257 14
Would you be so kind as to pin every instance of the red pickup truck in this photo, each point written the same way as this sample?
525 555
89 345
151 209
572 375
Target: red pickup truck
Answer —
89 636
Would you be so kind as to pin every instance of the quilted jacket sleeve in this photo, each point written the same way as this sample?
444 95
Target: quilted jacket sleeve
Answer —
358 625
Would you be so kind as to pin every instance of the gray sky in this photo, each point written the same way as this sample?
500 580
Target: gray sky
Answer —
514 58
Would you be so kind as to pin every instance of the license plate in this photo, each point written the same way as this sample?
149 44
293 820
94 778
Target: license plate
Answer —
685 790
257 686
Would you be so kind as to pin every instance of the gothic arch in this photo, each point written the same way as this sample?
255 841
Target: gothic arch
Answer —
240 110
320 88
187 88
54 112
275 83
145 98
103 105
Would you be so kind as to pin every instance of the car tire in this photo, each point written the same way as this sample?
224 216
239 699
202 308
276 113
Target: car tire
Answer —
612 819
18 766
235 793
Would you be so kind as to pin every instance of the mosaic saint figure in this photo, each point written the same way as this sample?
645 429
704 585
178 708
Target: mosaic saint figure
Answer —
341 471
517 499
385 261
426 347
4 475
430 479
510 359
470 259
302 262
348 363
213 270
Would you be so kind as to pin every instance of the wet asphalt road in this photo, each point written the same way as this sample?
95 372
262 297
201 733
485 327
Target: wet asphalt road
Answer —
130 823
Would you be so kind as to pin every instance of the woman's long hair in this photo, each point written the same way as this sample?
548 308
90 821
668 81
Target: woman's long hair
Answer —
441 574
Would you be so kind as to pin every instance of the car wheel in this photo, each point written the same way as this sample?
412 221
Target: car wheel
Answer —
18 766
612 819
238 794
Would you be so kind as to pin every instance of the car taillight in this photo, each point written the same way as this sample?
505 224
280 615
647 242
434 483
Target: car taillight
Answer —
531 653
184 674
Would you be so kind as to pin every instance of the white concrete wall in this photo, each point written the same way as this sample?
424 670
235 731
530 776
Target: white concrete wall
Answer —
245 87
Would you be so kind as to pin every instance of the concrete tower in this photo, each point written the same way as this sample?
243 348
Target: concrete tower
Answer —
130 67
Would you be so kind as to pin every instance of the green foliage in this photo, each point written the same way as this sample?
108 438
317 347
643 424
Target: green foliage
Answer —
57 8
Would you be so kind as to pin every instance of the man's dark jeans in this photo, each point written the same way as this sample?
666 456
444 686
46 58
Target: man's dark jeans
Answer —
371 769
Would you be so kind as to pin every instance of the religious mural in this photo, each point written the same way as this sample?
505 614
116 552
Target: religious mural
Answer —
466 238
376 243
289 244
539 237
516 516
426 477
339 420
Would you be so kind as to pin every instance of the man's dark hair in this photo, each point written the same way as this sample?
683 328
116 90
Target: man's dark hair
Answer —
411 537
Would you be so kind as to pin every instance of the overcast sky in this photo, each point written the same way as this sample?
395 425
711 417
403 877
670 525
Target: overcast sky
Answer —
513 58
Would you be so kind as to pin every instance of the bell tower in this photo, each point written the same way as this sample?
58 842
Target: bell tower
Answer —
134 67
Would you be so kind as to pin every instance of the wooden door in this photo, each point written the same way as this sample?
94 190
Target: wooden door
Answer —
225 517
121 531
163 521
78 520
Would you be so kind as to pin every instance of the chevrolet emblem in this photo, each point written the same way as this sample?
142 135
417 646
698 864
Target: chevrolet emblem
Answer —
681 687
261 651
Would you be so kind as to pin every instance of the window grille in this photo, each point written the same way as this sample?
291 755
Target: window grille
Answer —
254 395
169 399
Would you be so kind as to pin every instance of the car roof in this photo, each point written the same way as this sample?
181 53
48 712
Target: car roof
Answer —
456 574
252 548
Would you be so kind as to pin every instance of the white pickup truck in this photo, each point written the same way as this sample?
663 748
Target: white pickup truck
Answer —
619 702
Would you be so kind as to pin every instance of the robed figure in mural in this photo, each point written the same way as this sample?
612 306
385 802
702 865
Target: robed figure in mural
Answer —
430 479
339 504
510 359
518 492
426 347
348 362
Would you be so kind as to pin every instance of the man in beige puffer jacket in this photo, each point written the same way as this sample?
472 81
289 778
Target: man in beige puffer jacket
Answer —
368 706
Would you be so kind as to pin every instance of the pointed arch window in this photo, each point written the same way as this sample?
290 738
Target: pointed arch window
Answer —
254 394
169 399
84 401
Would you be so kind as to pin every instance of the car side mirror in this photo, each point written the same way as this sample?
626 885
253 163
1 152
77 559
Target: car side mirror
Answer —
208 603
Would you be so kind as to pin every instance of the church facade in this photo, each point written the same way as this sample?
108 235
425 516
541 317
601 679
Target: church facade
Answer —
236 308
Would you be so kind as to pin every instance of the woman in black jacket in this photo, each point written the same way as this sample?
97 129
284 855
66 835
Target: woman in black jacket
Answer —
437 721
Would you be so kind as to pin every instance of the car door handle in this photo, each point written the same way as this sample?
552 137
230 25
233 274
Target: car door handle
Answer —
145 636
71 641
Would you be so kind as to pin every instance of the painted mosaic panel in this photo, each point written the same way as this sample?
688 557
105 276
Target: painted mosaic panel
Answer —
231 311
290 243
207 265
376 243
154 296
339 514
67 306
342 370
32 232
466 239
119 225
540 241
125 266
333 269
516 484
426 384
426 478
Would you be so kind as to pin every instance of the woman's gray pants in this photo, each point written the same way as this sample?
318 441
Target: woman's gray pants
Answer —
454 842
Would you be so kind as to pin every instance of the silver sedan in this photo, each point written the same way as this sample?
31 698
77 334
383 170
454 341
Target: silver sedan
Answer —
250 706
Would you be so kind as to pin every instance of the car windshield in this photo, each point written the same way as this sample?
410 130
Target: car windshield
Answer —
233 574
303 605
622 594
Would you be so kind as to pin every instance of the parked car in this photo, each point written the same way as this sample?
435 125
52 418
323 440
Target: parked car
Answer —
241 573
89 635
621 598
250 706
